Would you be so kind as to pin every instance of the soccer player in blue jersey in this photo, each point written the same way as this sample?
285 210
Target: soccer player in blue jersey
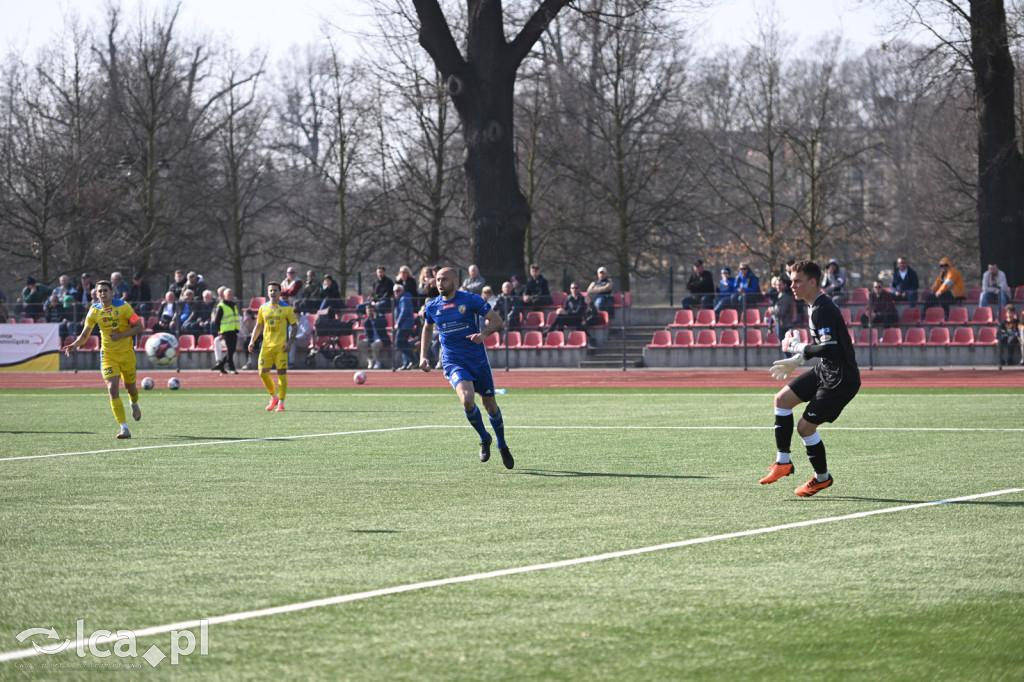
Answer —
463 356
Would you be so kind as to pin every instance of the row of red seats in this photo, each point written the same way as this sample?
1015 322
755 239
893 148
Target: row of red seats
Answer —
515 340
890 337
909 317
535 319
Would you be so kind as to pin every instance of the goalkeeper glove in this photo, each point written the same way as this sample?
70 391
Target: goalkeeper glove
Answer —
791 343
781 369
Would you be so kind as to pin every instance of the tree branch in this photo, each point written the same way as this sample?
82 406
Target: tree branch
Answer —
531 32
436 37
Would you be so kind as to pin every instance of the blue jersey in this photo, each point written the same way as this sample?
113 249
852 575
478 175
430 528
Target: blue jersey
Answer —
456 320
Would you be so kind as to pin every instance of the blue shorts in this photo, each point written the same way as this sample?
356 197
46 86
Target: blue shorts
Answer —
479 374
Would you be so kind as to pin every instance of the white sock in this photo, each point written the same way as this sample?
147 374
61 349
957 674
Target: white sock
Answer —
124 426
820 478
782 458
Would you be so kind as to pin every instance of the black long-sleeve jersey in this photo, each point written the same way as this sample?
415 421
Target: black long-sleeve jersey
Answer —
830 341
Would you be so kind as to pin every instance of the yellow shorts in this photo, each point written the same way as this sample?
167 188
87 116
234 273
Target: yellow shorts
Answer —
273 357
114 364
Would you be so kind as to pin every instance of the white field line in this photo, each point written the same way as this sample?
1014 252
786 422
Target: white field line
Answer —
362 393
966 429
398 589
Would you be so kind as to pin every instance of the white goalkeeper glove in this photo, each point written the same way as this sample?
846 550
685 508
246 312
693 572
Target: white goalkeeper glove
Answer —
791 343
781 369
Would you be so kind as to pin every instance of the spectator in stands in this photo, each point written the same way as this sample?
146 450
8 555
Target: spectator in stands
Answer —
120 287
165 312
308 300
377 339
726 288
53 309
405 324
63 313
948 287
537 294
304 336
518 289
487 293
139 296
184 310
600 293
33 296
178 285
1009 335
994 287
225 325
701 287
748 289
330 294
426 286
194 284
474 283
782 314
83 292
833 282
881 307
904 283
409 284
573 311
200 314
291 285
508 307
64 287
383 292
245 328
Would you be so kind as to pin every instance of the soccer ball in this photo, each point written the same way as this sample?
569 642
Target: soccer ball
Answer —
173 383
147 383
359 377
162 349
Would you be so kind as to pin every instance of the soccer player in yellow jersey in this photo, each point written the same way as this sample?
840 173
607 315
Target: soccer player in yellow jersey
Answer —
275 320
118 324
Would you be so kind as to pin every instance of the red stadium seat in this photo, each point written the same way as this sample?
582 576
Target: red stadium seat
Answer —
915 337
91 344
151 322
858 296
705 318
706 339
550 319
754 339
862 338
684 318
1018 296
602 317
730 337
555 339
558 298
974 295
848 317
771 339
205 342
683 338
938 336
533 339
753 317
353 301
982 315
576 339
987 336
728 318
934 315
957 316
27 320
963 336
661 339
346 342
891 337
492 341
256 302
186 342
512 340
534 320
142 339
910 317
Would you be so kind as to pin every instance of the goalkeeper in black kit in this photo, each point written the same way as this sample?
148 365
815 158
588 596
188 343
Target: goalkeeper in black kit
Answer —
826 388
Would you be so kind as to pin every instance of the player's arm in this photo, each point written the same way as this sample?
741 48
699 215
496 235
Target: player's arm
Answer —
257 332
425 338
137 328
494 323
79 340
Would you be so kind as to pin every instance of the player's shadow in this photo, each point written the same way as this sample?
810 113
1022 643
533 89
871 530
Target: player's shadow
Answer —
48 432
374 531
852 498
226 439
554 473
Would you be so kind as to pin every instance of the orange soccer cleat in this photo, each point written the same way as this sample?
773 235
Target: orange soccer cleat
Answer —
813 486
273 404
777 471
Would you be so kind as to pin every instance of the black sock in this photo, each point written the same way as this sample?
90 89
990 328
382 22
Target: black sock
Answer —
816 454
783 431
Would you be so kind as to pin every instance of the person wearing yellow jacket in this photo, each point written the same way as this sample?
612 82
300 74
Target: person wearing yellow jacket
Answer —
947 288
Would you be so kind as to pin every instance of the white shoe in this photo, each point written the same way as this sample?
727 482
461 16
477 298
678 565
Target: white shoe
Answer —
369 365
376 365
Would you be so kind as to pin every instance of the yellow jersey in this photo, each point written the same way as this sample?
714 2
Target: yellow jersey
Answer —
119 317
275 319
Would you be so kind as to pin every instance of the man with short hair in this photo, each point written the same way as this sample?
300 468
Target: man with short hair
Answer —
573 311
64 287
140 295
226 321
275 322
120 287
83 294
826 388
599 293
291 286
118 323
463 356
34 295
726 288
904 283
194 284
383 292
882 307
507 307
700 286
994 287
179 283
404 323
474 283
537 294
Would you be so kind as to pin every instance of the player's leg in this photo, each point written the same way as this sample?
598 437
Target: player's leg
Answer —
112 378
265 363
128 376
463 386
282 378
231 341
785 400
808 431
498 424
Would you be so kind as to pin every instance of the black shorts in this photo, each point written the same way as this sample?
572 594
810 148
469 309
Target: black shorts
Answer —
823 404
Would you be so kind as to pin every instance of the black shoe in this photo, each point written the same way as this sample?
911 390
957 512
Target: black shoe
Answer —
485 450
863 320
218 367
506 458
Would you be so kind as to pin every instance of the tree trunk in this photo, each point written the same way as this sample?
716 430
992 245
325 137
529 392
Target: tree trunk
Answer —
1000 177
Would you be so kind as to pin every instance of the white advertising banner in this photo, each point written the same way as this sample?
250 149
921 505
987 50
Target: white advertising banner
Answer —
29 347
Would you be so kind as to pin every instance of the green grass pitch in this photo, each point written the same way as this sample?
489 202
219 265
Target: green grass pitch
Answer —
216 507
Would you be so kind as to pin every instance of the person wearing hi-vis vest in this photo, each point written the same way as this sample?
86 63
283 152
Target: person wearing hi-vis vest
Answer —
225 318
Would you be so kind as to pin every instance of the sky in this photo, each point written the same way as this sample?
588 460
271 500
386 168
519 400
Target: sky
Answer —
265 23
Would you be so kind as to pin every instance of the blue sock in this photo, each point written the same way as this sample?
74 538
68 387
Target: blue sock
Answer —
499 427
477 420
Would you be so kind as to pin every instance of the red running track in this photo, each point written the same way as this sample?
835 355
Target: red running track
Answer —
988 378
